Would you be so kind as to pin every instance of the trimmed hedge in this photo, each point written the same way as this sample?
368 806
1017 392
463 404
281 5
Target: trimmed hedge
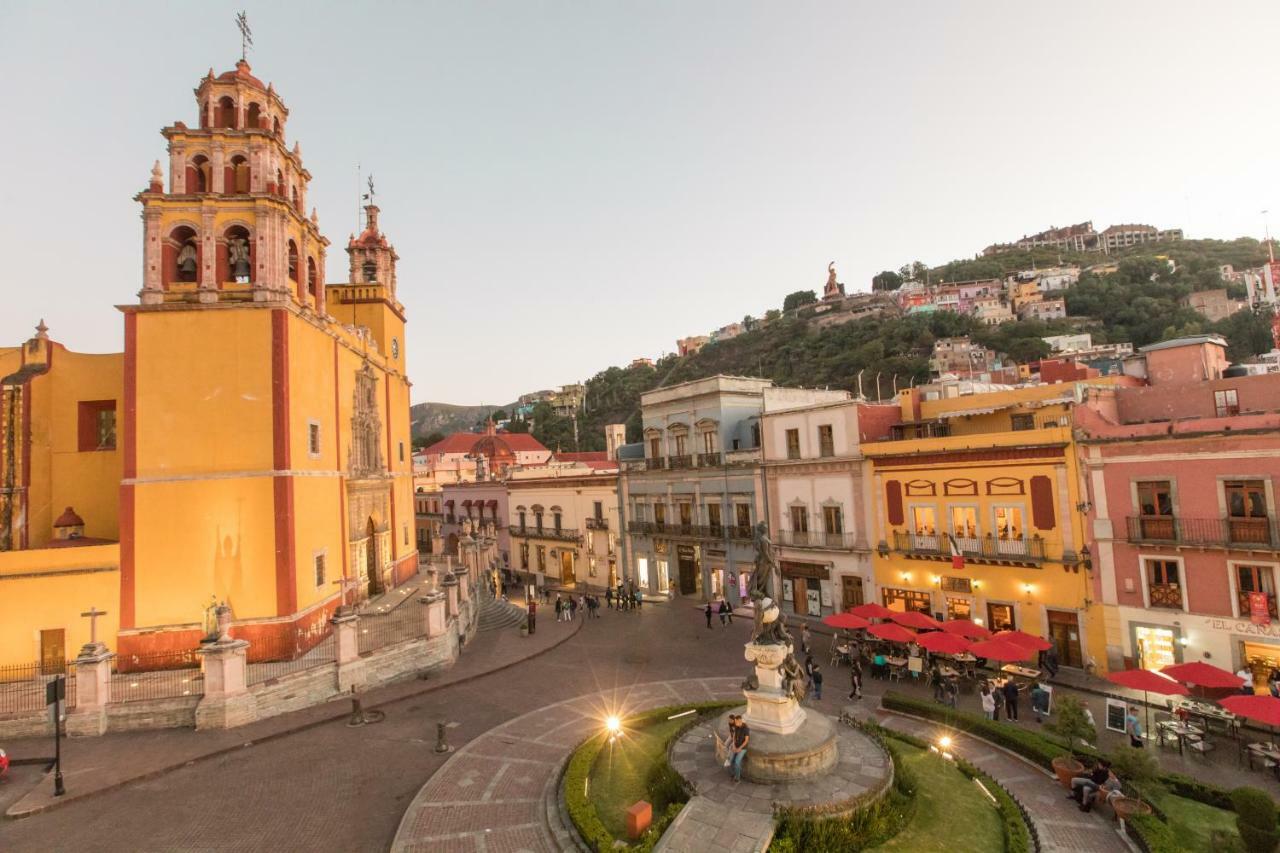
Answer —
1256 819
577 798
1154 835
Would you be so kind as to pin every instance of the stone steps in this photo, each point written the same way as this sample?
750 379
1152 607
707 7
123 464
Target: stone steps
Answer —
496 614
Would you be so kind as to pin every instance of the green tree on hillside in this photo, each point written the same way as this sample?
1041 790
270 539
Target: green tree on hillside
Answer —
799 298
886 280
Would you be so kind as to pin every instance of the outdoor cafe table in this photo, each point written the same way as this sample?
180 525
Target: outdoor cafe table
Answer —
1024 672
1266 751
1179 731
896 661
947 672
1209 714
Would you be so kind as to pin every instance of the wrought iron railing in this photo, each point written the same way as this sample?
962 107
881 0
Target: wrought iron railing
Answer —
160 675
597 524
815 539
1245 608
277 656
1220 532
655 463
977 548
709 460
684 461
22 686
565 534
377 630
1165 595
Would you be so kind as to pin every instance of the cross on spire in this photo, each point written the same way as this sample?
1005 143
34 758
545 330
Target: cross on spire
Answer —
93 613
246 35
369 196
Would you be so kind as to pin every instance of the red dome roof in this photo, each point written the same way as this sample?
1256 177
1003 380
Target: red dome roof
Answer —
241 73
69 519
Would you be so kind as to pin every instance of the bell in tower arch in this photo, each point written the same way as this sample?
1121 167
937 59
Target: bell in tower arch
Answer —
370 271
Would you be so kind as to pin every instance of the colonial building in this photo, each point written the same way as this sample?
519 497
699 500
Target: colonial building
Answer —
251 443
979 514
819 502
1181 477
694 497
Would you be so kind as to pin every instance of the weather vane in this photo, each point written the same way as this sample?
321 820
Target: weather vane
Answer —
246 34
369 195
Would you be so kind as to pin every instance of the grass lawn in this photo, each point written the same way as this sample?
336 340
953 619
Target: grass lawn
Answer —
1192 822
952 813
621 772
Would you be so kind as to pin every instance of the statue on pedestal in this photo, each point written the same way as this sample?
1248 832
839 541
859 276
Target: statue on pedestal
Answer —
770 624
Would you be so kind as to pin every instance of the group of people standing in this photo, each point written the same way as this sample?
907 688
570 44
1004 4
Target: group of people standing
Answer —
622 598
722 608
570 606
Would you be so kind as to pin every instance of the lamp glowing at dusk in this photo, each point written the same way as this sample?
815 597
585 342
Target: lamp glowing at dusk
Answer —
612 724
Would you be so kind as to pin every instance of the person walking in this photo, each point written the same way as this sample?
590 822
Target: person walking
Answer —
988 700
741 738
707 611
1133 728
559 609
1051 661
816 677
997 693
804 639
808 674
1011 700
608 597
724 612
855 678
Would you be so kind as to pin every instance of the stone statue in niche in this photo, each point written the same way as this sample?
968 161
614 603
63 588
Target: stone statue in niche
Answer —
238 257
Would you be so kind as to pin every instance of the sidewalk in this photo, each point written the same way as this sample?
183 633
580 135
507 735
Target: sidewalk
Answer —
97 764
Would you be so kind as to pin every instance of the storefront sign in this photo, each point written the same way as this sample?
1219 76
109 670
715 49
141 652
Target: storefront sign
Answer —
804 570
1243 627
1259 613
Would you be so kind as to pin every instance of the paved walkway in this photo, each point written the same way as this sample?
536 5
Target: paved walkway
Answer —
1058 821
501 790
93 765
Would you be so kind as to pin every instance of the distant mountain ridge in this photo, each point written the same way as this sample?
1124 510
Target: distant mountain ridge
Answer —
447 418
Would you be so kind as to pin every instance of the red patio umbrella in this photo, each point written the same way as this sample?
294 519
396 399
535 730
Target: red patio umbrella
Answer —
845 620
966 628
893 633
943 643
871 610
1022 638
1148 682
1201 674
999 650
915 619
1263 709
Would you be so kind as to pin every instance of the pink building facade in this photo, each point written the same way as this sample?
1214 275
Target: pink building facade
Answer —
1182 503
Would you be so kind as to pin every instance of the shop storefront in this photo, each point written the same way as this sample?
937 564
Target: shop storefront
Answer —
904 600
806 588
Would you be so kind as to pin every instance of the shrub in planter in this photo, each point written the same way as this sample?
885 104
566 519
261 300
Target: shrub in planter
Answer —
1256 819
1071 724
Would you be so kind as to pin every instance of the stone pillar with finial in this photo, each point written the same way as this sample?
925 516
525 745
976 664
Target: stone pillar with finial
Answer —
227 701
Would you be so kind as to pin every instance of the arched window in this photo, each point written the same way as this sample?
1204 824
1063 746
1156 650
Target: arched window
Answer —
370 271
226 112
311 277
254 118
198 175
279 182
275 125
204 115
293 260
295 198
182 255
235 255
237 179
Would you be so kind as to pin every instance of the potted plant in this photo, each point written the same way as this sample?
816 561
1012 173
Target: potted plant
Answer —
1071 724
1138 771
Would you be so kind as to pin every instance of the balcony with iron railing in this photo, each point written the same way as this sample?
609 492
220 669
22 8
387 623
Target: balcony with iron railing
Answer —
985 549
1246 608
1165 595
682 461
563 534
676 530
597 524
816 539
709 460
655 463
1237 533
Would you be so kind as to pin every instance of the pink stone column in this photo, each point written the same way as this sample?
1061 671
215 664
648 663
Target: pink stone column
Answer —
93 691
451 591
433 608
227 701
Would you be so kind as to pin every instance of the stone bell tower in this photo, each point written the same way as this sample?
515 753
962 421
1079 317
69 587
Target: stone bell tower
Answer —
368 299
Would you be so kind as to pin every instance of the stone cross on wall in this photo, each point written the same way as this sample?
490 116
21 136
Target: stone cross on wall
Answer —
93 613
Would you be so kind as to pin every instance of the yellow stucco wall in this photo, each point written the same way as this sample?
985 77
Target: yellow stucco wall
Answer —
48 589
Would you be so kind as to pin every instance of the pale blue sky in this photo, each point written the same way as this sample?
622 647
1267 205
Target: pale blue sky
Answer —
574 184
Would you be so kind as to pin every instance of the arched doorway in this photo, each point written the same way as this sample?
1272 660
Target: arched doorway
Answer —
371 560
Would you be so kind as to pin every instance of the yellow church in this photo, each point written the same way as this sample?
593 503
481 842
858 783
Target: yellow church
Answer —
250 445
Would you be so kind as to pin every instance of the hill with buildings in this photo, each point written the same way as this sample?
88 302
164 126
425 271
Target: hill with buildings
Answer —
432 419
875 343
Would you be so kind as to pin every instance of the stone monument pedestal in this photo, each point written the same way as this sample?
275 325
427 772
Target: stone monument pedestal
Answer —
786 743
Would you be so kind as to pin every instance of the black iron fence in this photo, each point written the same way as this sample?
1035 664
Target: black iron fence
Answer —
156 675
374 631
22 686
1220 532
275 657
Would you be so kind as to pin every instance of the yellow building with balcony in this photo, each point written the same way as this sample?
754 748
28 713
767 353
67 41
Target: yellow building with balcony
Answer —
979 514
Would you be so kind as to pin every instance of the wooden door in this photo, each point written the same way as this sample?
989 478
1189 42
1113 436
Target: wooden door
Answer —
851 585
799 586
53 651
567 576
1064 632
